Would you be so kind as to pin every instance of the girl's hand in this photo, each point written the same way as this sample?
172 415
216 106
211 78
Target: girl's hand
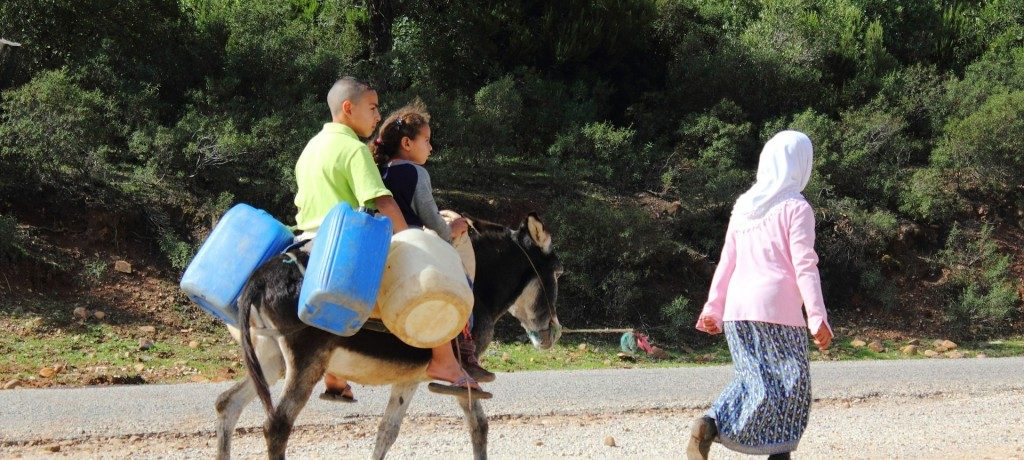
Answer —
459 227
823 338
709 325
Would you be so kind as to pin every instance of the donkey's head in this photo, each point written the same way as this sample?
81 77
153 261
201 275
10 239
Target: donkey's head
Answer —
535 306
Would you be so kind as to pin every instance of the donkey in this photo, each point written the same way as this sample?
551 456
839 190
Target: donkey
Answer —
517 272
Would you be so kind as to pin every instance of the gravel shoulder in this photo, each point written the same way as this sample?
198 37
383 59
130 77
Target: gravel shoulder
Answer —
880 409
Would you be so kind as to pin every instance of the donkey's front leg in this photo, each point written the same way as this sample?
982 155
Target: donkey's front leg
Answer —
476 420
302 372
401 396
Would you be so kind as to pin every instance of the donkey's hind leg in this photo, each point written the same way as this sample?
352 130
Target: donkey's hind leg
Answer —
476 420
302 371
229 407
401 396
231 402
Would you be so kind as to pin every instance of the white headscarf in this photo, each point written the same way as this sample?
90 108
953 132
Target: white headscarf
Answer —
782 173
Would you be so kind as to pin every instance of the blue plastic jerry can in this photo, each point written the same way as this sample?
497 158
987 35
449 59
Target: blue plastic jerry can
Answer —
344 270
244 238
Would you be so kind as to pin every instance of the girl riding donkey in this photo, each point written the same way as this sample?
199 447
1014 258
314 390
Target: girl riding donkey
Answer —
336 166
399 151
768 269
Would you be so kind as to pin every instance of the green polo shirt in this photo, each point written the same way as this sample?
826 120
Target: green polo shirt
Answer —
335 166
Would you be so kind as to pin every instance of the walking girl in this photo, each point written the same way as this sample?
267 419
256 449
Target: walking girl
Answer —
767 272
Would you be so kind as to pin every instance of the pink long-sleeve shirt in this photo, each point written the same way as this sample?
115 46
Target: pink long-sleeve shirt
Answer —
768 270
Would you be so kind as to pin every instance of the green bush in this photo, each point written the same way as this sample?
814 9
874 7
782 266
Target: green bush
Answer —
875 153
57 136
852 242
602 153
983 297
614 256
983 151
932 195
120 47
680 316
978 160
9 238
712 163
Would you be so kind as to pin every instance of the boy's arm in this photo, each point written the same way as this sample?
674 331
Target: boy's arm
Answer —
388 207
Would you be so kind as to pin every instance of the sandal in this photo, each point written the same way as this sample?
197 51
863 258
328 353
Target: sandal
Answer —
332 394
460 388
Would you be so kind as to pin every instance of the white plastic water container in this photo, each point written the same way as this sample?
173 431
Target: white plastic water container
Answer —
424 298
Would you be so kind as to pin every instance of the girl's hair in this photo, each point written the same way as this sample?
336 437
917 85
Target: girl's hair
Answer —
407 121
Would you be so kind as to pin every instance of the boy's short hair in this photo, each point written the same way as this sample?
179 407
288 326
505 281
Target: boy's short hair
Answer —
345 89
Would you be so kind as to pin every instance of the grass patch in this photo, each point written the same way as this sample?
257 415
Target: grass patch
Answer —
596 353
590 353
845 350
90 351
103 354
42 334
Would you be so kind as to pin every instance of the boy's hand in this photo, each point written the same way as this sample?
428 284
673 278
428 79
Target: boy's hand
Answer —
459 227
823 338
709 325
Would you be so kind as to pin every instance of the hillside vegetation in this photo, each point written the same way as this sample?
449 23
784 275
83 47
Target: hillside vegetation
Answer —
127 127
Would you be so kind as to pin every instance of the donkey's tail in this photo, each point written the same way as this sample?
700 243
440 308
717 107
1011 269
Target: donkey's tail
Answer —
252 362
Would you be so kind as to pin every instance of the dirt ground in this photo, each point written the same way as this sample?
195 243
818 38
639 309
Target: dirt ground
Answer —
952 426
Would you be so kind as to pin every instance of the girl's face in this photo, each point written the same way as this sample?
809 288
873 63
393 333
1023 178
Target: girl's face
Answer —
417 150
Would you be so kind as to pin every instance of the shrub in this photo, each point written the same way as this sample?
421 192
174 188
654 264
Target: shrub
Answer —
141 42
982 296
619 263
680 316
600 152
713 161
931 194
57 135
875 152
9 238
982 152
852 242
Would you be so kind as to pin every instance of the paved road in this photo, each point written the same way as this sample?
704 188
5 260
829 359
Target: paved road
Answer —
34 415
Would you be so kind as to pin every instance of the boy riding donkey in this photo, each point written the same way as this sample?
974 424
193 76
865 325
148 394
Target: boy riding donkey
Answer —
336 166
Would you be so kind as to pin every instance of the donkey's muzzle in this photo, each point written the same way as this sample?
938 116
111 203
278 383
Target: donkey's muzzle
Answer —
545 338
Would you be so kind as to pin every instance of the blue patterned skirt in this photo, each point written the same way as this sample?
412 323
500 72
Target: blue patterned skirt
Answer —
764 409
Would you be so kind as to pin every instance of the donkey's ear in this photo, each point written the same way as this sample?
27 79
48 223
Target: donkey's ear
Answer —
538 233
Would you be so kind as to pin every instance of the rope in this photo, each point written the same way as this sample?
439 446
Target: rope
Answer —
597 331
469 389
295 260
551 308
